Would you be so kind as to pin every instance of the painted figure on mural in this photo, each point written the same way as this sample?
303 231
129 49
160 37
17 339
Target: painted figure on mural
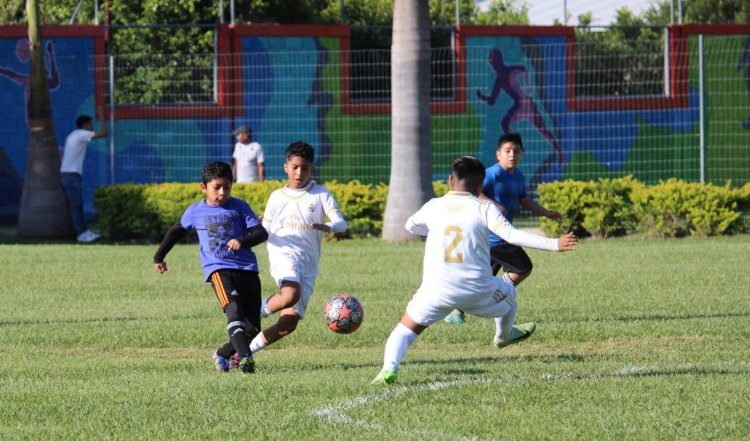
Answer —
514 80
22 54
744 63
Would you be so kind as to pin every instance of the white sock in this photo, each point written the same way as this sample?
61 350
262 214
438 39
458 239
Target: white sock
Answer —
504 324
258 343
395 348
264 311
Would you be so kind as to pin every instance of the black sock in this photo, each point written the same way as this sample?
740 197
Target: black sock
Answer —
240 342
227 350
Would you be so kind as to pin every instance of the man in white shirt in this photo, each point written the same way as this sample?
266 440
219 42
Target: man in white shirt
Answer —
456 269
247 158
71 171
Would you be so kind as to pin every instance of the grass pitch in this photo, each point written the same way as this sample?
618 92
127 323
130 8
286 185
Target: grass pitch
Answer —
636 339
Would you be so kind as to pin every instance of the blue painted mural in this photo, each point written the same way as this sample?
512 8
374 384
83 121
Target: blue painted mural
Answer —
291 88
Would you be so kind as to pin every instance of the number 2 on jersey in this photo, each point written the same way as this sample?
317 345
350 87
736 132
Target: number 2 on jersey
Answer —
450 255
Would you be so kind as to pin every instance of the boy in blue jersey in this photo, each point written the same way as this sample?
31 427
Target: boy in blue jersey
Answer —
505 186
227 230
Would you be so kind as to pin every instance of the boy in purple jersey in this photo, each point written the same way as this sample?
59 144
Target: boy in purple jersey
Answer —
227 230
504 186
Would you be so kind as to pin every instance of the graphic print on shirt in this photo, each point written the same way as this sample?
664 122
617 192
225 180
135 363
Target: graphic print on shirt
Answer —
219 230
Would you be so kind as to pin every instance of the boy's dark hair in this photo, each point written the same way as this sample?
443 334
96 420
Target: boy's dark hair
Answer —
469 169
83 119
515 138
216 170
301 149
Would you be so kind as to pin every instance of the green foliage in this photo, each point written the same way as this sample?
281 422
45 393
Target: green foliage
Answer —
504 12
676 209
602 209
137 211
616 207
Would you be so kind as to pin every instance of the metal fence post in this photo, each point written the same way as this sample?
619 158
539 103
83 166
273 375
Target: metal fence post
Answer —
701 111
112 148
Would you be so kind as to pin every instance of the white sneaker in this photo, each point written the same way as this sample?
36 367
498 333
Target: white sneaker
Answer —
87 236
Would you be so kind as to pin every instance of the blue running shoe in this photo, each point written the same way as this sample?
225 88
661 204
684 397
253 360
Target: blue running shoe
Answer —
456 317
220 363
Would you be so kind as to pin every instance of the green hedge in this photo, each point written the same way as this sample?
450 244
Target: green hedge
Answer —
672 208
602 209
147 211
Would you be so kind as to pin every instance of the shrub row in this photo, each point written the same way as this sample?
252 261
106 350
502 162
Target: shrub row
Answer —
605 208
672 208
147 211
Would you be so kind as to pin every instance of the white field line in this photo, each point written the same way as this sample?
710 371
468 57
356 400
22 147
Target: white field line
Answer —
336 413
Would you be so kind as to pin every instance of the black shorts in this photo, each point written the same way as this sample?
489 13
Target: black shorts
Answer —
239 286
511 258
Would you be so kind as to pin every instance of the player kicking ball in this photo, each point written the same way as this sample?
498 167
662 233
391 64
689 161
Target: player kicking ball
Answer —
457 272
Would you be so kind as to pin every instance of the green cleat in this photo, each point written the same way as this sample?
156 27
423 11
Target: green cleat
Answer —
385 377
247 365
456 317
517 334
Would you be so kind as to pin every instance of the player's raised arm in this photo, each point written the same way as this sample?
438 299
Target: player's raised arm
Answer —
499 225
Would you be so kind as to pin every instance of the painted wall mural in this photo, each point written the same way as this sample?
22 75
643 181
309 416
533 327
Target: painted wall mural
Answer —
294 87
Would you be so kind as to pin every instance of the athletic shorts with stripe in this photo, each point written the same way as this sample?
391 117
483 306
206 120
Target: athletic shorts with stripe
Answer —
242 287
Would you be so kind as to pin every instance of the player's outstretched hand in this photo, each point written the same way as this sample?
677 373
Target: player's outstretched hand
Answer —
567 242
161 267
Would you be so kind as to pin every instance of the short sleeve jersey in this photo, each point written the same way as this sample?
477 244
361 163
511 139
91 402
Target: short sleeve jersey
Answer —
75 151
504 188
287 218
457 253
216 225
247 157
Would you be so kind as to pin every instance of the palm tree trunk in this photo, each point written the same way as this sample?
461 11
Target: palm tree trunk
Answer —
44 210
411 157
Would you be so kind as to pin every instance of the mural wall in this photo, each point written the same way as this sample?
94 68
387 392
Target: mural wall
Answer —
292 83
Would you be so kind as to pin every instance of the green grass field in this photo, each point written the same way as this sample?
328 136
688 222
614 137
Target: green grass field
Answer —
636 340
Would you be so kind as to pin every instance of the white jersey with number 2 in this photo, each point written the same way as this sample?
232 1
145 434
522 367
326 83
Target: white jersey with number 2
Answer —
457 250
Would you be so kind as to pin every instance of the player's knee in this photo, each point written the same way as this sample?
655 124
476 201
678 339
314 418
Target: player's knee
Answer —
287 324
290 293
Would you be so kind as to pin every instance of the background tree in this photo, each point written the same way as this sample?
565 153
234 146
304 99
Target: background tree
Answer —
44 211
504 12
411 161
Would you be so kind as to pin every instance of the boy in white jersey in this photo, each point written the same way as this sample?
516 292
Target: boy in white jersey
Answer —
295 220
457 271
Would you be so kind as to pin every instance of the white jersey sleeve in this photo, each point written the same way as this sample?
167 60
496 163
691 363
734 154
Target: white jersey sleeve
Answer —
498 224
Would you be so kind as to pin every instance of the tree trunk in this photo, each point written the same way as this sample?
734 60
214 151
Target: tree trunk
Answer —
44 210
411 158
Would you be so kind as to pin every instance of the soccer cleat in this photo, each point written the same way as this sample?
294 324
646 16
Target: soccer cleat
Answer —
517 334
456 317
247 364
220 363
385 377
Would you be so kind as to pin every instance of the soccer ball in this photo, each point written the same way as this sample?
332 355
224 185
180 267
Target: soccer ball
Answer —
343 314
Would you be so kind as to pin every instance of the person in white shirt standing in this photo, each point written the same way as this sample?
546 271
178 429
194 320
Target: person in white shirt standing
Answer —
247 158
71 171
456 269
295 220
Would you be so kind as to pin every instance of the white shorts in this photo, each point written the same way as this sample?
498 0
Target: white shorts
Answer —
425 308
286 269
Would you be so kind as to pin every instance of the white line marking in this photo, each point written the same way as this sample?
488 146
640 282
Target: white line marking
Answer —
335 413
